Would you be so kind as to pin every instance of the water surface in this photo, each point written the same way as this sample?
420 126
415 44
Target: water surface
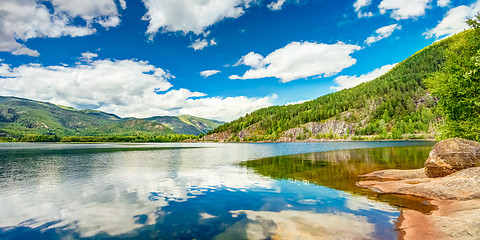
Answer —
195 191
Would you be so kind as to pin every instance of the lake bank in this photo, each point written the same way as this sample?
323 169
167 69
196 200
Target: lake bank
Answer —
450 182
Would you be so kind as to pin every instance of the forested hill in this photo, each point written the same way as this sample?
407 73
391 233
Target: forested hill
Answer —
395 105
23 117
187 124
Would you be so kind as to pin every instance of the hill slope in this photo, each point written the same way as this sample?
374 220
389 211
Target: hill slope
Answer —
20 117
186 124
390 106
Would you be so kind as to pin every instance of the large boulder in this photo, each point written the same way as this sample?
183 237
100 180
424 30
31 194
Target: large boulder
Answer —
451 155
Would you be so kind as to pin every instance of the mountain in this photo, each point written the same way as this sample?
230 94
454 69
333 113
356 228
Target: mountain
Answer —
20 117
396 105
186 124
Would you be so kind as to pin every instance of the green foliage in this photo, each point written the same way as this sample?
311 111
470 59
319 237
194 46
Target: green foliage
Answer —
457 85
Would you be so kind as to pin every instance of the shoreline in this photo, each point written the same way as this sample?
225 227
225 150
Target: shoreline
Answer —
209 141
456 198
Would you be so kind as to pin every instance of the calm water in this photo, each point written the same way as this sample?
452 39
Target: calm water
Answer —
197 191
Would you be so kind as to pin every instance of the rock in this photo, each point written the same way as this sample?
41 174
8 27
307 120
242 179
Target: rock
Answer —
456 198
462 185
451 155
218 137
452 220
394 174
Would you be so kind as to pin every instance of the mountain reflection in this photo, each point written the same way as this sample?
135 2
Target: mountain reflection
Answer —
340 169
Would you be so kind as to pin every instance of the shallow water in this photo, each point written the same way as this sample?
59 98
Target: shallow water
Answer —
196 191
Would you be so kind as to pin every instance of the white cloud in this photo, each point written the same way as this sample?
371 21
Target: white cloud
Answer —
299 60
352 81
21 20
208 73
454 21
88 56
382 33
275 6
297 102
359 4
203 43
443 3
128 88
404 9
103 12
252 59
123 4
190 15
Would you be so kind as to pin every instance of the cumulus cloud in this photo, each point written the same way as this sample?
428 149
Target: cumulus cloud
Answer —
200 44
252 59
88 56
275 6
454 21
404 9
190 15
299 60
21 20
128 88
208 73
352 81
382 33
297 102
443 3
359 4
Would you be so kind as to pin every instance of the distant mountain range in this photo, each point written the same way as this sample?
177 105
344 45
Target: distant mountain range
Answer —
19 117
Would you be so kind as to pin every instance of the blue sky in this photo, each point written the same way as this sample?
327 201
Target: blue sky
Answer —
211 58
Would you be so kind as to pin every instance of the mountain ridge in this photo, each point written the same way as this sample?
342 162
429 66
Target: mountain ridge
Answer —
21 116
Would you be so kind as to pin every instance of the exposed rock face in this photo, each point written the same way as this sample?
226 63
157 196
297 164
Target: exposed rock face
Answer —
218 137
333 126
451 155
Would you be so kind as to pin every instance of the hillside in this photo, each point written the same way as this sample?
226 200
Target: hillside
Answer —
395 105
20 117
186 124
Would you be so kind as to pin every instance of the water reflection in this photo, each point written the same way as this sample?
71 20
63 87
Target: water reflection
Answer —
340 169
168 191
290 224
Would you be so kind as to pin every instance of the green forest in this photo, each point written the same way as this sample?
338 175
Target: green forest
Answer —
434 91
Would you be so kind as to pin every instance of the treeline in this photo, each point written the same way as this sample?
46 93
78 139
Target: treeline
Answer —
97 139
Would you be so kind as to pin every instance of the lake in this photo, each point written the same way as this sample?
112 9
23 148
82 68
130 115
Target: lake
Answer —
200 190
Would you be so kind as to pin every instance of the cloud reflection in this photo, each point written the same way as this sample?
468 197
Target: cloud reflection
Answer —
291 224
128 192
